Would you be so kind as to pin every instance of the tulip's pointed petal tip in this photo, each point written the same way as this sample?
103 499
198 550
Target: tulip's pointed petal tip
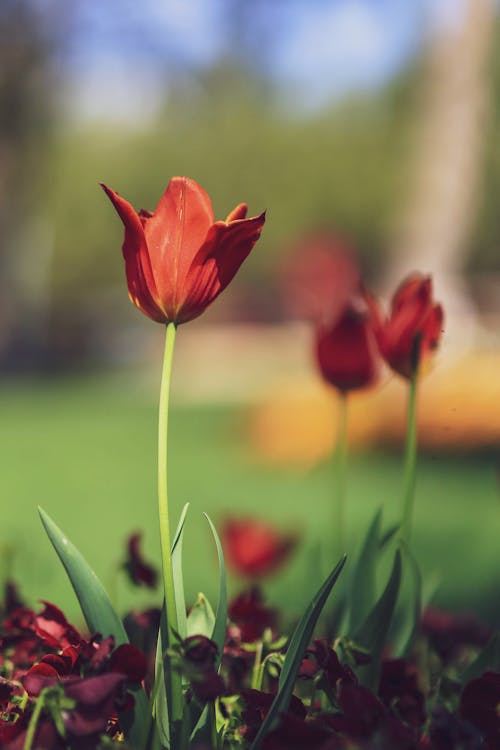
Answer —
239 212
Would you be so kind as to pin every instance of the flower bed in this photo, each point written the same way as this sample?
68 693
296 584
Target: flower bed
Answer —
367 666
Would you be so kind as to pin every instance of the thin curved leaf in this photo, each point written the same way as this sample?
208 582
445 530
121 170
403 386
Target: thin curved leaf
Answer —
220 624
160 708
409 609
295 652
372 635
362 593
99 616
180 600
204 720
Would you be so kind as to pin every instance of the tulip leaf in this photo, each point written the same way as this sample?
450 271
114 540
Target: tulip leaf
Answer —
201 619
372 634
99 616
220 624
295 653
487 659
203 718
180 601
408 613
362 594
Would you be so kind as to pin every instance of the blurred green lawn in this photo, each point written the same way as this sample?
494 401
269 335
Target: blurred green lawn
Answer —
85 450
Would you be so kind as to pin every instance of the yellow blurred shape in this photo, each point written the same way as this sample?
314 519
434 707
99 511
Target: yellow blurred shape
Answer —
458 409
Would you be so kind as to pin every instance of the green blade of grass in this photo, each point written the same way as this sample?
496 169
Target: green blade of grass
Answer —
295 652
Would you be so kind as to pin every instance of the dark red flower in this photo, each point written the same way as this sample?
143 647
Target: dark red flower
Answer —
321 659
130 661
178 259
140 572
347 352
197 661
249 613
479 705
254 548
53 628
414 327
256 706
398 689
449 632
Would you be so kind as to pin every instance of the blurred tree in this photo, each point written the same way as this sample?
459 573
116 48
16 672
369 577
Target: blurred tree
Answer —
437 223
27 83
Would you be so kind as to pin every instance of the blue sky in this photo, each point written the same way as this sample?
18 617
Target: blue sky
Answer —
122 54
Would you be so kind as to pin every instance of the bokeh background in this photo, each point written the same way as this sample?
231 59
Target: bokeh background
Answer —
374 120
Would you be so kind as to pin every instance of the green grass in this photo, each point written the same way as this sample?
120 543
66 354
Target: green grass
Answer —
85 450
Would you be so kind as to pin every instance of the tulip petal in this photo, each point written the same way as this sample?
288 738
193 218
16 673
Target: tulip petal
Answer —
174 234
141 284
216 263
239 212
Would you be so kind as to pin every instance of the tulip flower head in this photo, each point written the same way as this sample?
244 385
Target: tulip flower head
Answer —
414 327
178 259
255 549
346 351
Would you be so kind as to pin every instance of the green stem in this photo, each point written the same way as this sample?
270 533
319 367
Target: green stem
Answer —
173 681
32 726
410 460
256 671
340 462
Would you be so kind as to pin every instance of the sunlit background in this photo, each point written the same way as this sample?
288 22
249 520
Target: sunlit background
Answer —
375 120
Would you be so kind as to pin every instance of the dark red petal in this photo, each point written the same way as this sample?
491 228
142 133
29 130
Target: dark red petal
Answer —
130 661
215 265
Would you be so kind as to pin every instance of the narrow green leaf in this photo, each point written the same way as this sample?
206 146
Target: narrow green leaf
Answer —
372 634
160 708
220 624
94 601
201 619
487 659
203 721
295 652
99 615
362 593
409 609
180 600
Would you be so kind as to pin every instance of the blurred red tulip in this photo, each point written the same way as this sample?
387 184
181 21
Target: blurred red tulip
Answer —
347 351
414 326
178 259
253 548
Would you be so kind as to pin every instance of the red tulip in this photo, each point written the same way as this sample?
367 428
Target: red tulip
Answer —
178 259
347 351
414 326
253 548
